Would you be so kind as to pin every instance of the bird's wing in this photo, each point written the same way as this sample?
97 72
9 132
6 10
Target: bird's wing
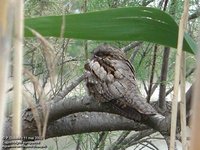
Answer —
125 89
114 81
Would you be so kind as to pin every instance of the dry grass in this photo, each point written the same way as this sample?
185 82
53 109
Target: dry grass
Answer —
6 20
179 63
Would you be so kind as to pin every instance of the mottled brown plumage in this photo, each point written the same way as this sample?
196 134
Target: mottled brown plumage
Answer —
111 80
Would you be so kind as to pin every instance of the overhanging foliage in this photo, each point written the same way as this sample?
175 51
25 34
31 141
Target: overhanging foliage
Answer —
122 24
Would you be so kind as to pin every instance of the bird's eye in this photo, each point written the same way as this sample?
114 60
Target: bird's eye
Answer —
98 57
99 54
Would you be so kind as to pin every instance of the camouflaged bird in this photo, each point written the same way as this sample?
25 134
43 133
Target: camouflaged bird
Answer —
111 80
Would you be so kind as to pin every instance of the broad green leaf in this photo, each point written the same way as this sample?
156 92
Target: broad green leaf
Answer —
122 24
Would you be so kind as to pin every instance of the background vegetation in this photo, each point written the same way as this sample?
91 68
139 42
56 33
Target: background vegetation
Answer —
53 63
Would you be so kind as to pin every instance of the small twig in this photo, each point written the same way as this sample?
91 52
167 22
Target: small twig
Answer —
69 88
85 42
131 46
147 145
132 140
154 87
141 135
145 52
118 142
78 143
35 82
62 30
152 74
64 46
50 59
187 75
134 53
101 141
145 87
56 141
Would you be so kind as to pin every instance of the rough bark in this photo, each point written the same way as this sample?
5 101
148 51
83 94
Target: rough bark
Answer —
78 123
75 115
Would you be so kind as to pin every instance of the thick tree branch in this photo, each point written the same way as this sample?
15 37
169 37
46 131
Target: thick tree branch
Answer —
85 123
78 123
74 105
91 122
65 118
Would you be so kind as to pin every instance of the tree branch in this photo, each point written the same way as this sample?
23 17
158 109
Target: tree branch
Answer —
195 15
65 118
131 46
78 123
163 79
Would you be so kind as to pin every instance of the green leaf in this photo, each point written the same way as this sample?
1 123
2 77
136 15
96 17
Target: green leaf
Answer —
122 24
